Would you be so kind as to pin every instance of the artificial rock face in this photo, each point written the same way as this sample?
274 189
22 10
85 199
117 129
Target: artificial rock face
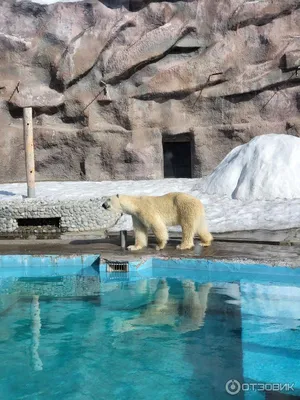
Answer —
110 82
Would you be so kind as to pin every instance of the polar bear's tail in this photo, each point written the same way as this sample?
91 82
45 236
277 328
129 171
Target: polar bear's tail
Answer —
205 236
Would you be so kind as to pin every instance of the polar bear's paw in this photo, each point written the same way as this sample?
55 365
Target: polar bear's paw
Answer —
134 248
205 244
159 247
184 247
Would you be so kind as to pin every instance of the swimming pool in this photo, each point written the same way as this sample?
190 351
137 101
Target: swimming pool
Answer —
180 329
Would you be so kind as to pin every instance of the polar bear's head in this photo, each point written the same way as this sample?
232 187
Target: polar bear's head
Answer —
112 204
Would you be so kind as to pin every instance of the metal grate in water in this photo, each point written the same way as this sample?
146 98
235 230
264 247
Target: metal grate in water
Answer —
117 266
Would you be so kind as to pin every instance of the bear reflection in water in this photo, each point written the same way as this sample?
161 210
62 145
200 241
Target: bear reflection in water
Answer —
184 313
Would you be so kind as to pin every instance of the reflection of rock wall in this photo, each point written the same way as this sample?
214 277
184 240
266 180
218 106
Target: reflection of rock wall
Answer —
107 83
270 326
65 286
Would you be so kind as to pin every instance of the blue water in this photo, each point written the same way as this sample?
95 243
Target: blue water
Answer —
171 336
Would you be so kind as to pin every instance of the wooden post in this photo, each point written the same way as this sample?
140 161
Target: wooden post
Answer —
29 151
123 238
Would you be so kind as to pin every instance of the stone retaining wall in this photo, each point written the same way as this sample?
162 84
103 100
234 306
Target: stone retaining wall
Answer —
72 216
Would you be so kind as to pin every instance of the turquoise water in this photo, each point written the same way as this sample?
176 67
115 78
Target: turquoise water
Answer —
172 336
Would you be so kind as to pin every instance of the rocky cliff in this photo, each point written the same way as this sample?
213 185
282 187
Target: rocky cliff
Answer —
109 81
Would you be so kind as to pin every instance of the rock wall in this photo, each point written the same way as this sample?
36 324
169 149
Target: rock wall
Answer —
109 82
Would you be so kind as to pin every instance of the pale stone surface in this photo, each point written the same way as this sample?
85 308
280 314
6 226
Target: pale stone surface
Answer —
74 216
107 81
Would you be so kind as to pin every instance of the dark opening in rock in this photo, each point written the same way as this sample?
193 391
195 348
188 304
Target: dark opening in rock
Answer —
15 112
177 153
39 222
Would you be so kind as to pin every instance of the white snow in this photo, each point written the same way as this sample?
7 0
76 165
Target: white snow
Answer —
266 168
223 213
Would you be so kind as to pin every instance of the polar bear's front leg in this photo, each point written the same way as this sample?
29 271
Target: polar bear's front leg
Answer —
188 232
161 233
141 235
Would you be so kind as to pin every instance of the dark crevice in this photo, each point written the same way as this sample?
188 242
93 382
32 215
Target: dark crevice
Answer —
78 78
227 132
29 9
298 101
89 13
15 112
130 158
82 170
37 111
294 81
291 129
131 5
264 40
231 133
52 40
55 83
76 119
81 119
283 65
178 95
104 102
163 97
240 97
183 50
264 20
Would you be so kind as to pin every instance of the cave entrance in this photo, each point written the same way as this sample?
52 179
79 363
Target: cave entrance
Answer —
177 153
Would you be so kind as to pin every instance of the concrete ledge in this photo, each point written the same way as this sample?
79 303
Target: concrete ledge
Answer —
281 237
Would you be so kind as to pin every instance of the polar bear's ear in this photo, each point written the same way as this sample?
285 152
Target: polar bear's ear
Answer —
117 196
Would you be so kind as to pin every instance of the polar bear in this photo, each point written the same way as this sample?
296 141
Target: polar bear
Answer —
162 310
183 315
158 213
194 305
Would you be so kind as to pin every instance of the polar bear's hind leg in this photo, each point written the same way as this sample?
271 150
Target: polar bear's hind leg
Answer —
202 230
188 227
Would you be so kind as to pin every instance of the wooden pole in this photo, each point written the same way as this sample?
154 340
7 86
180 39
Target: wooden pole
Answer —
29 151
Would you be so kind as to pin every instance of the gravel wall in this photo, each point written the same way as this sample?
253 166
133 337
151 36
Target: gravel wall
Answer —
33 216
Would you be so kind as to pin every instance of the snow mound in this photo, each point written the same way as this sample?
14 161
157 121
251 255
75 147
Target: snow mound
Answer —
266 168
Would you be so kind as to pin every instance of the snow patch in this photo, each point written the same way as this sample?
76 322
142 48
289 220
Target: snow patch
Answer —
266 168
223 214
